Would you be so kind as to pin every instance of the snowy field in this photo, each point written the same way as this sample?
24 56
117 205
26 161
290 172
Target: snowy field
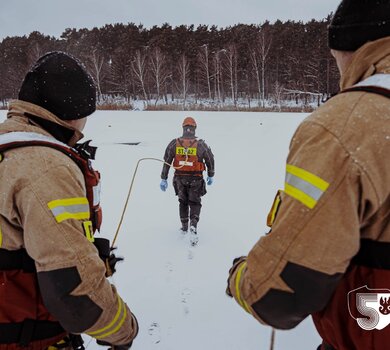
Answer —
176 291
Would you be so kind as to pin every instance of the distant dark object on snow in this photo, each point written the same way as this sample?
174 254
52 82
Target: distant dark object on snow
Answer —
128 143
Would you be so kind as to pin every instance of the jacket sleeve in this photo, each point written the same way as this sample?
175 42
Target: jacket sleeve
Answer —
71 276
208 157
293 271
168 158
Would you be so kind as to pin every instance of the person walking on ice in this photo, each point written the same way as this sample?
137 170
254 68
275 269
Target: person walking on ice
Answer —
189 157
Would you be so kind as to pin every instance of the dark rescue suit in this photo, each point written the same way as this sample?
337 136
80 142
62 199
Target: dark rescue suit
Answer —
24 320
189 157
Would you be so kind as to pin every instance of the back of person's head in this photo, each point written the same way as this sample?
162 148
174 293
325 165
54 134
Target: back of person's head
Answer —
59 83
357 22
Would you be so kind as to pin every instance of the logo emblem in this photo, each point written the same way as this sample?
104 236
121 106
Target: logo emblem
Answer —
370 307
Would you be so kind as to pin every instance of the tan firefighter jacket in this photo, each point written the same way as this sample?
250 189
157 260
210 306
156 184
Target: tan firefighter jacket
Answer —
42 196
331 223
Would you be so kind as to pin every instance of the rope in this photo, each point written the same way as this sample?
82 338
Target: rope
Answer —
272 343
131 188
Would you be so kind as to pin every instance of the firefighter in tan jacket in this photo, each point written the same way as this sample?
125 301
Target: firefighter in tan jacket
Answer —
328 251
53 282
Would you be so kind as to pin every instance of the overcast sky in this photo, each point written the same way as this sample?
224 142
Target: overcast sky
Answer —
51 17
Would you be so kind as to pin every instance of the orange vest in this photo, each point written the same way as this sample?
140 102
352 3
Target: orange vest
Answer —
186 161
25 323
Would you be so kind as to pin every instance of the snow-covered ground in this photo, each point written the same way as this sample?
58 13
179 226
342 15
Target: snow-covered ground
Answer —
178 291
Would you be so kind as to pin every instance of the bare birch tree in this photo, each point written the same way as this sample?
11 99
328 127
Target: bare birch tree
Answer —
97 68
159 71
139 66
259 57
204 67
217 76
231 70
278 91
183 69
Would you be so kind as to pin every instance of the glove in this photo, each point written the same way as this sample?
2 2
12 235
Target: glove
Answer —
111 261
114 347
107 255
210 180
163 185
236 263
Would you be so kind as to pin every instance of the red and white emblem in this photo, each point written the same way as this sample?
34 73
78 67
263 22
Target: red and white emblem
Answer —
370 307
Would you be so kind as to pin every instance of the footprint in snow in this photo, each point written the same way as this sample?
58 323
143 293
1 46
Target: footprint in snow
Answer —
169 267
185 293
155 332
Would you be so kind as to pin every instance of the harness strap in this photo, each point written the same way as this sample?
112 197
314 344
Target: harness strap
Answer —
181 143
373 89
16 260
378 84
27 331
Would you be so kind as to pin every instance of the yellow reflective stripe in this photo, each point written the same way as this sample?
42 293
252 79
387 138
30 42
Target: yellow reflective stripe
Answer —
1 237
116 328
300 196
70 208
237 287
120 304
87 225
67 202
76 216
275 206
304 186
309 177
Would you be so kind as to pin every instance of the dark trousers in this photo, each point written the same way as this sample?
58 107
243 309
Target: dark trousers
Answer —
189 189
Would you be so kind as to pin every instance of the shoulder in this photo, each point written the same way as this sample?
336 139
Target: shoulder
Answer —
350 112
34 162
172 144
202 144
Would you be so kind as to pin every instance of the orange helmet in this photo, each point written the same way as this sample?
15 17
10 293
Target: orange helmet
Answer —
189 121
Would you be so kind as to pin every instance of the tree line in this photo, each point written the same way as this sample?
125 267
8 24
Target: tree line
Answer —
255 64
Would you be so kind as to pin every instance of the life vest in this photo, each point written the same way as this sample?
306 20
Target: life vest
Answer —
80 155
186 159
25 323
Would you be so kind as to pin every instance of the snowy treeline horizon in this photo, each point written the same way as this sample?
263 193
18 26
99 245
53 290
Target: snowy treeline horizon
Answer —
277 66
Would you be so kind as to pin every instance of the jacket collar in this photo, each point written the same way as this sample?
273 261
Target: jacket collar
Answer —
370 59
22 109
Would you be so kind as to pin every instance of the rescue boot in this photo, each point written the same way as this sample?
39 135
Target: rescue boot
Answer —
194 236
194 221
184 225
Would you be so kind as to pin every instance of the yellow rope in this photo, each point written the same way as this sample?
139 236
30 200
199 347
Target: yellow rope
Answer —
131 187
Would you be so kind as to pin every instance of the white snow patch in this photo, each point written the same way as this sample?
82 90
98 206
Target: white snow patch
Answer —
177 291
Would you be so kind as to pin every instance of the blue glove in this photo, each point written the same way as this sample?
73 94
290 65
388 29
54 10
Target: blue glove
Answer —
164 185
210 180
